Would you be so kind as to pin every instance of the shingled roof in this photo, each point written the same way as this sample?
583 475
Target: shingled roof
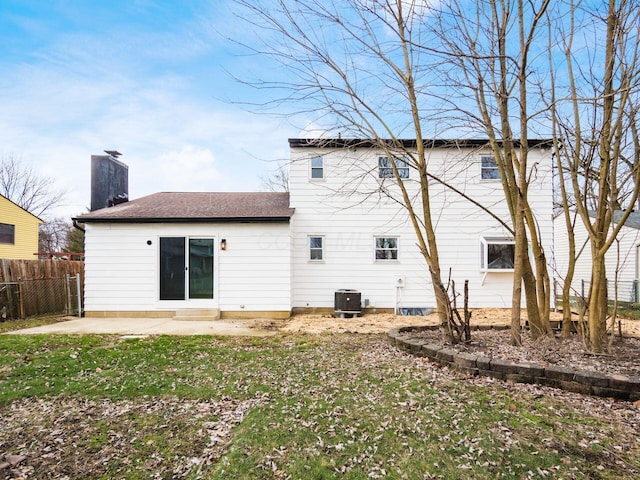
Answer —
182 207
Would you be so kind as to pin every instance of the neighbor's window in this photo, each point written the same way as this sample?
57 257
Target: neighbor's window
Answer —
497 253
385 170
317 168
489 168
316 248
386 248
7 233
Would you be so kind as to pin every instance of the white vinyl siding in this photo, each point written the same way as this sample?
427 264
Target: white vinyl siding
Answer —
122 270
346 213
621 260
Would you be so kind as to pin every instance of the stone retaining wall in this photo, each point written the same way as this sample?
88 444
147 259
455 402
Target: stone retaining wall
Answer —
580 381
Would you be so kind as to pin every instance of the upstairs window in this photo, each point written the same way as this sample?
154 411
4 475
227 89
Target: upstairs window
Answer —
386 248
7 233
316 248
489 168
385 169
317 168
498 254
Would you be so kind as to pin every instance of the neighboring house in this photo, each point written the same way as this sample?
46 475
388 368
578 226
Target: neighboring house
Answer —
622 259
18 231
250 254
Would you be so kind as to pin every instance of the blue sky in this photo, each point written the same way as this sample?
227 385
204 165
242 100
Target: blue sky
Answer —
148 78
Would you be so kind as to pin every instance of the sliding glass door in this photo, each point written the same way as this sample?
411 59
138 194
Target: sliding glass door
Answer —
201 268
186 268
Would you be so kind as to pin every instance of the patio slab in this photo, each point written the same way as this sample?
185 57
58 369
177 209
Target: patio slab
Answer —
146 326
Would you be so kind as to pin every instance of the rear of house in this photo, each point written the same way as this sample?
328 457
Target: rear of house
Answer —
189 254
341 227
351 231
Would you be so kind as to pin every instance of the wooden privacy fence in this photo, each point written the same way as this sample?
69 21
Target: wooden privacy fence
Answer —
38 287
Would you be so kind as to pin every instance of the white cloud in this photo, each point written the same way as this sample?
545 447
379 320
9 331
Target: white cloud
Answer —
84 93
190 169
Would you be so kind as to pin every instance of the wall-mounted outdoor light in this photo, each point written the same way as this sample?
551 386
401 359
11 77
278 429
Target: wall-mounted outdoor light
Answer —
223 244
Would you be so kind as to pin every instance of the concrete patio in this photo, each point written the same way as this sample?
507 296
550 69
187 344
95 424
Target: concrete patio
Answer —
149 326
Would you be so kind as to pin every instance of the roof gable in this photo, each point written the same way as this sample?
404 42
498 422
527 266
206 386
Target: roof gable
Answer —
182 207
19 207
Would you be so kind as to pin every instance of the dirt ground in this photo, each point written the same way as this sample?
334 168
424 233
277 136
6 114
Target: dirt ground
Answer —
382 323
622 358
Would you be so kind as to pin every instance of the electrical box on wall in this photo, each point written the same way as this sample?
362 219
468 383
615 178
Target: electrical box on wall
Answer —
400 281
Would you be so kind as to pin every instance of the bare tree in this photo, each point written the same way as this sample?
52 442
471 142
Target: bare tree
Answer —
358 64
276 180
53 235
595 117
368 66
26 187
487 72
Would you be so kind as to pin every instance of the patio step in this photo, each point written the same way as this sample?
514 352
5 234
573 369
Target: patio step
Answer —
194 314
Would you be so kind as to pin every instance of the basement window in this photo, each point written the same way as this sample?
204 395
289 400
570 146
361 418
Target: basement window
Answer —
497 254
7 233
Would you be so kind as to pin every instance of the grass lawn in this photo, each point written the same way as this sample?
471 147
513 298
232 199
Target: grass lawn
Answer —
10 325
290 407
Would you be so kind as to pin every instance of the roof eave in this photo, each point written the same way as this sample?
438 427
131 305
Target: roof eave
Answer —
129 220
405 143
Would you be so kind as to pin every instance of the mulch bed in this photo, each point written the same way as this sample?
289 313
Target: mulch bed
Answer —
623 357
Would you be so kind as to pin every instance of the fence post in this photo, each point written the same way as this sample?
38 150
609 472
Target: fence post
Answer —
5 276
20 299
67 284
78 295
635 291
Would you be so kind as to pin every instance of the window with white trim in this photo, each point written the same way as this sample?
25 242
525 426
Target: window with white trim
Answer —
385 169
316 248
317 168
386 248
7 233
497 254
489 168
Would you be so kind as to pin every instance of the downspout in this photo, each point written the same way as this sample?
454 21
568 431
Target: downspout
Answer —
77 225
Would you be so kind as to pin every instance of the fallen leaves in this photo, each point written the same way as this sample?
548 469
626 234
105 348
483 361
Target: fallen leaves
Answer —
71 438
302 407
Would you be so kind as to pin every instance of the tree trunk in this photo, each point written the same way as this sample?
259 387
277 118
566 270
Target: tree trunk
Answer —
518 273
536 325
597 304
443 305
566 304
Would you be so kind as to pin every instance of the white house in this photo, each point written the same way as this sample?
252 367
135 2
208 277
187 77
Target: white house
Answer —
339 228
183 253
622 260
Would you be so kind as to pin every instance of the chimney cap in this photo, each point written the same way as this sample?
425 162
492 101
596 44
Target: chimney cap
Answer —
113 153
